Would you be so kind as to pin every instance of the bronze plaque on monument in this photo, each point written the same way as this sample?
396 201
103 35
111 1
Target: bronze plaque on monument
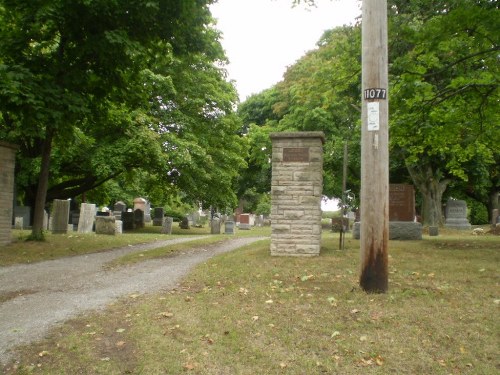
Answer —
296 154
401 202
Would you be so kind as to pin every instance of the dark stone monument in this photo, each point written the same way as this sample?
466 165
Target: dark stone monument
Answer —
138 218
158 218
456 215
184 224
402 224
128 221
245 221
118 209
401 202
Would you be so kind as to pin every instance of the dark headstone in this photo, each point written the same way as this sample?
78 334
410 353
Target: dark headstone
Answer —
128 221
245 221
138 218
184 224
158 216
401 202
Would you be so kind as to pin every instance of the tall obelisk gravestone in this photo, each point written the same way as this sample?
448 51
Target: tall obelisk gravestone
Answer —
296 191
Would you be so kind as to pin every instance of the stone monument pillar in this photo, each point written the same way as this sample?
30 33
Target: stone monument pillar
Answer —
296 191
7 164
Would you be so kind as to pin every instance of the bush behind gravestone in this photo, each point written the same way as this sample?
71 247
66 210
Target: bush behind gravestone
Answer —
478 213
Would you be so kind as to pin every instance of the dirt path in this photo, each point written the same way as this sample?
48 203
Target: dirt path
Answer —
48 293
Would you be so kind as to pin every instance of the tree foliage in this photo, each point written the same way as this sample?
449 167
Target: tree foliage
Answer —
92 89
443 100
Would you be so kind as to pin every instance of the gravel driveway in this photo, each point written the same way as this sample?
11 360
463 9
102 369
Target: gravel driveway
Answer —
48 293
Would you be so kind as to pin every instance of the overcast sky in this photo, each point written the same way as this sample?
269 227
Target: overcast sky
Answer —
263 37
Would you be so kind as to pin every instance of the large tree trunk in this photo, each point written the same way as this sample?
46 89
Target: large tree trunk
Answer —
432 188
41 193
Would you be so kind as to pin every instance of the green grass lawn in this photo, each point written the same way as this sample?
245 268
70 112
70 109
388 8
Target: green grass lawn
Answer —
245 312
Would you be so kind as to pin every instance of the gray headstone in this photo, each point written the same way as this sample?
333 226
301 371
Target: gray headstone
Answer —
87 217
120 206
215 226
398 230
25 213
245 221
167 225
229 227
456 215
118 226
60 216
18 223
105 225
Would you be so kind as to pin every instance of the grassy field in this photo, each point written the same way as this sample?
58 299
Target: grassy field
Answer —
246 312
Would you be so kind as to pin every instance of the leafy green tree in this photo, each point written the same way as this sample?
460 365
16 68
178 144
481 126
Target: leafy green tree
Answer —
95 86
444 95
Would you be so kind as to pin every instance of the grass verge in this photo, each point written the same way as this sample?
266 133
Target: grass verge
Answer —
246 312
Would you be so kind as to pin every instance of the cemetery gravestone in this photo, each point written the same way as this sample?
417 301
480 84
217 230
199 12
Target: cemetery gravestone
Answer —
296 191
167 225
229 227
138 218
7 165
158 216
245 221
456 215
118 209
215 226
184 224
25 213
128 219
105 225
402 224
60 216
18 223
494 217
87 217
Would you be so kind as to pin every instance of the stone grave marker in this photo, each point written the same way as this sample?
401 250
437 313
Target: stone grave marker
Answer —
118 209
229 227
167 225
158 218
18 223
138 218
184 224
128 220
87 217
105 225
401 202
456 215
215 226
494 217
60 216
25 213
245 221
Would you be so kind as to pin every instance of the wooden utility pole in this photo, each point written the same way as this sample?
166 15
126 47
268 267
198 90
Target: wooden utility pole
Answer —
374 149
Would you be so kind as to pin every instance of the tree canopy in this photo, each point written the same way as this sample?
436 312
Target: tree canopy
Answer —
93 89
443 101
